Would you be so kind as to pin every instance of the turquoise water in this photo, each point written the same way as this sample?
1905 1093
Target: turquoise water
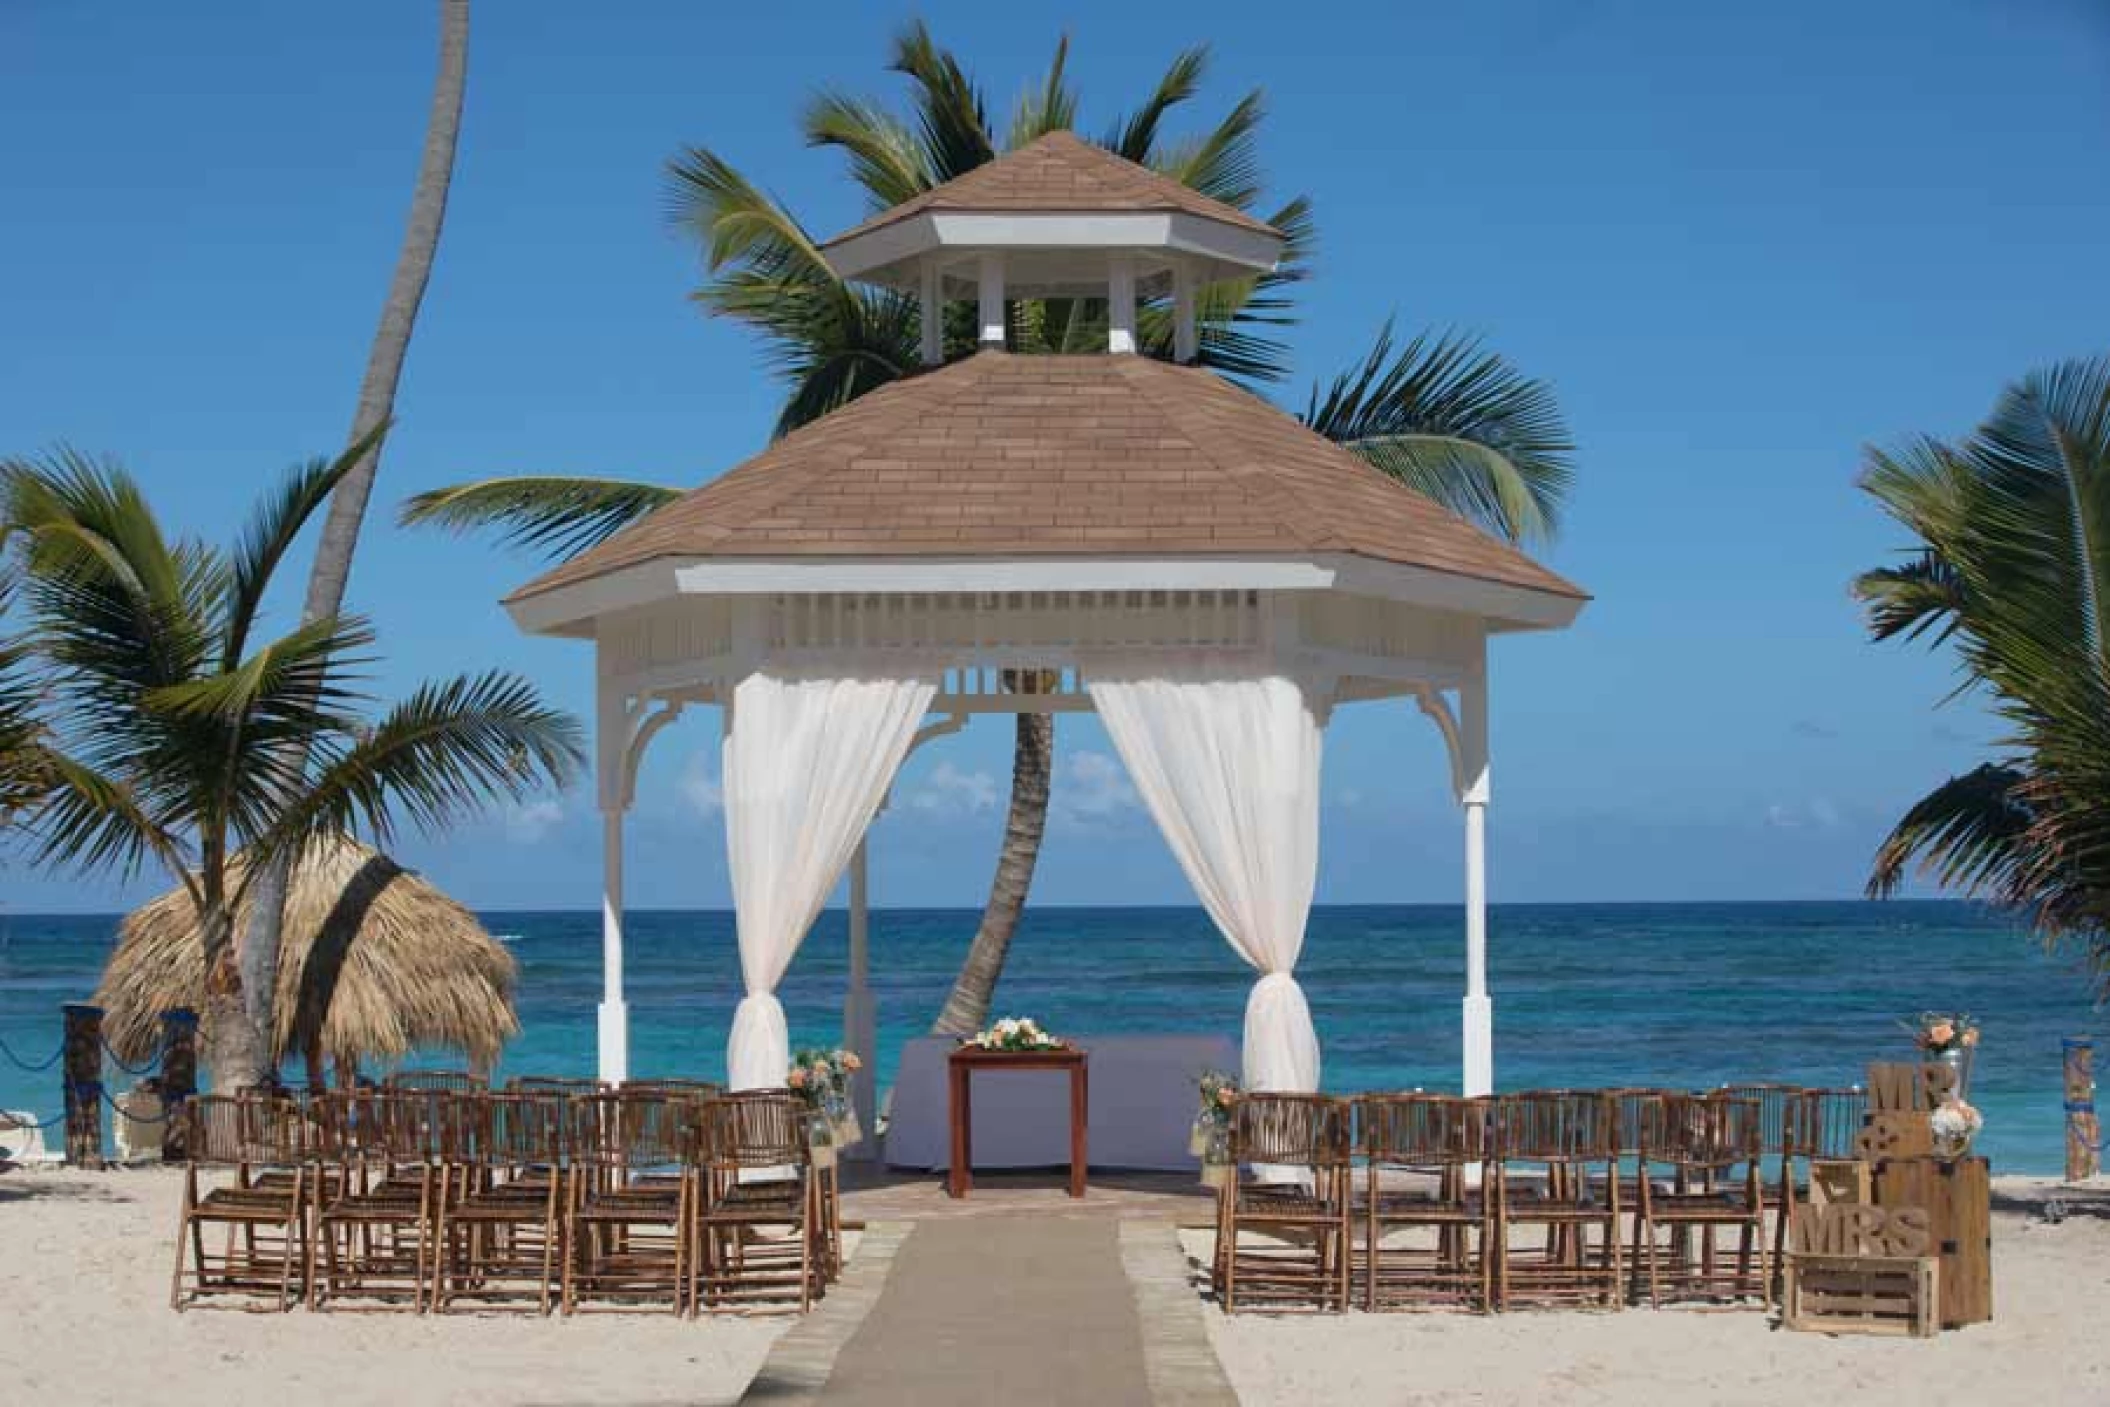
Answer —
1672 994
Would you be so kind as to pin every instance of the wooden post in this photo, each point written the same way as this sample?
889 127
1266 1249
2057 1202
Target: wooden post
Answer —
82 1063
179 1079
2084 1136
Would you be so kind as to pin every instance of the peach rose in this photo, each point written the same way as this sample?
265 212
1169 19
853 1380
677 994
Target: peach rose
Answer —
1970 1037
1941 1033
797 1078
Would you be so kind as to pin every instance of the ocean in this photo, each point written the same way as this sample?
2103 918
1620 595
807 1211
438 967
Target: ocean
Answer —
1681 995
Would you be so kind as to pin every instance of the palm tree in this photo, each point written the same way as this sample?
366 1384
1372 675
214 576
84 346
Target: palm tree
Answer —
20 775
172 724
2013 572
1439 413
332 567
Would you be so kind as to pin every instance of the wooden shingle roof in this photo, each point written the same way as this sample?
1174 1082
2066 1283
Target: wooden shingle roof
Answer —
1000 456
1060 173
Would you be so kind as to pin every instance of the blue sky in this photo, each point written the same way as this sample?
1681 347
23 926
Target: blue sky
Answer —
1741 241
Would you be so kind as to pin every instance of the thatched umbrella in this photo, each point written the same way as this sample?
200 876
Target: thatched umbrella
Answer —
375 962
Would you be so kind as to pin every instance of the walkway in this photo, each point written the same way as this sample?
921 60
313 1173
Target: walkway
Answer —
1084 1303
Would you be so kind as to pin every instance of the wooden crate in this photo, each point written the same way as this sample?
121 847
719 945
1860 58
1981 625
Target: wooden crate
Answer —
1895 1295
1958 1199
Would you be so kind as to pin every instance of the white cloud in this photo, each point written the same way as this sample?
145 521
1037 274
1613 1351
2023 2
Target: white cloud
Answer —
1816 814
525 825
948 791
701 788
1091 786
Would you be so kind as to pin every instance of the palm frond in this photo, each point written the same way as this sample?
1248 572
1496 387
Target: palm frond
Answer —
1224 163
951 117
1457 423
883 152
1049 107
271 532
735 222
446 751
1135 137
556 516
1921 595
88 819
1969 834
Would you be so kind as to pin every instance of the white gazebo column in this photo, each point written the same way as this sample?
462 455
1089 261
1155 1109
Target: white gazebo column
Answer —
1479 1012
860 1015
1186 345
615 1012
932 315
1121 304
990 300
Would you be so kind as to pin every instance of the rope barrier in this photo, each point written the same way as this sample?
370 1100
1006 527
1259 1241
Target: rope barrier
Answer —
151 1065
13 1123
22 1064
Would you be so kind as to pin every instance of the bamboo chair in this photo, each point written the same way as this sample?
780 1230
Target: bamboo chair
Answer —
263 1212
554 1084
1779 1113
1557 1168
1715 1147
1441 1140
760 1238
436 1082
1306 1220
630 1202
501 1236
1822 1126
375 1240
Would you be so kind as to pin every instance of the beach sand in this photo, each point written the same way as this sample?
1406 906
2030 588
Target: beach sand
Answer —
84 1318
2046 1346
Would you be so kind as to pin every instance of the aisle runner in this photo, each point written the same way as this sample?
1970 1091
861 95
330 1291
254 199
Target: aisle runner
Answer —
985 1307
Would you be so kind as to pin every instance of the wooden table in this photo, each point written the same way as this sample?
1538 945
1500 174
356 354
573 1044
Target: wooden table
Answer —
962 1064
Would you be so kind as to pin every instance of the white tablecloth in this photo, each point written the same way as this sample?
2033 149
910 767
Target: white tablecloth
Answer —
1142 1105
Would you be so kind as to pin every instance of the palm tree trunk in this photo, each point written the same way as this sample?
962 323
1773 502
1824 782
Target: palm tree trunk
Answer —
377 399
234 1047
1032 765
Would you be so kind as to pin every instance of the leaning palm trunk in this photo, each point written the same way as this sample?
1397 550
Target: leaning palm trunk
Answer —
232 1040
377 398
1032 764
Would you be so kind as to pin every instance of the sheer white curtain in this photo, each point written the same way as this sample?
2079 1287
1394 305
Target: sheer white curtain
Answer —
807 761
1229 767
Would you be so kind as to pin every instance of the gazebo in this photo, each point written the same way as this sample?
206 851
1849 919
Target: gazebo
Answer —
1051 533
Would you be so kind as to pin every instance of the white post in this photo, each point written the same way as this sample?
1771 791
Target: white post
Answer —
1479 1011
860 1016
615 1012
933 313
1121 304
1186 343
991 289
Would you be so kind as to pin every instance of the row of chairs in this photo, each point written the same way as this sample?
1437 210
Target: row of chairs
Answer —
425 1196
1546 1197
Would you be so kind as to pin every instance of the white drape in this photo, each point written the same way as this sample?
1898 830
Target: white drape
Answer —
1229 767
807 761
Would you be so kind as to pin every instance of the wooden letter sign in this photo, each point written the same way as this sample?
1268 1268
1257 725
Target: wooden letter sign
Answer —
1848 1230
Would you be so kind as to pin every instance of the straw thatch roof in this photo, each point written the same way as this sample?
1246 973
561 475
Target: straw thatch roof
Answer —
374 960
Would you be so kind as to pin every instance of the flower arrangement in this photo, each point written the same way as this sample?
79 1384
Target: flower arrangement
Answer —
1015 1033
1939 1033
1210 1139
821 1076
1955 1124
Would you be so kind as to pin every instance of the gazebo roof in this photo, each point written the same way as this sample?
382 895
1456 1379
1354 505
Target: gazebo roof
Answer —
1060 172
1002 456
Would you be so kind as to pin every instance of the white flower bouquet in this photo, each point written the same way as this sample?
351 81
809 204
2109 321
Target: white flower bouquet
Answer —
1015 1033
1955 1124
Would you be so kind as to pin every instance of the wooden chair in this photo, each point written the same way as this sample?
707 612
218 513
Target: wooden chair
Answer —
374 1240
554 1084
436 1082
760 1241
1442 1142
262 1212
500 1236
1305 1221
1822 1126
1557 1168
630 1204
1714 1146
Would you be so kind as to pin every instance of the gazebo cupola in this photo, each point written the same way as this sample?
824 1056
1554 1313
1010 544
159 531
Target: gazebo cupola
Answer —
1058 218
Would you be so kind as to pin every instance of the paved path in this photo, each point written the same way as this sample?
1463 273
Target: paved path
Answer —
1053 1310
